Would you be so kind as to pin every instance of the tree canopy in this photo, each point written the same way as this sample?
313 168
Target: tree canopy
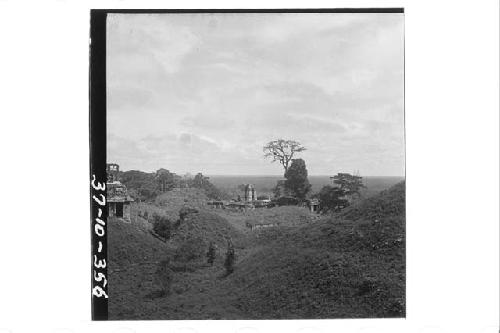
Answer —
346 186
332 198
350 184
166 180
203 182
296 179
142 185
282 151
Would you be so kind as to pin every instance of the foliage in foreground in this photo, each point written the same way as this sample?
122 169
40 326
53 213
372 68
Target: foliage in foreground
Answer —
162 226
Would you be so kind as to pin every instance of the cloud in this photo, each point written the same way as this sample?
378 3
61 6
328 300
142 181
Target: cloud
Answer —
144 37
201 92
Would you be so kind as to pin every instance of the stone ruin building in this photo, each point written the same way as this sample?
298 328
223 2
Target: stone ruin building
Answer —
118 198
250 193
314 206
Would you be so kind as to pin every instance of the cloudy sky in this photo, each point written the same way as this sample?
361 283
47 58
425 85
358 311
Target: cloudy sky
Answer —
204 92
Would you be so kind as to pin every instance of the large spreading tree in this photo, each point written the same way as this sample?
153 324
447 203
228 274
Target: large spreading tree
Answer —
282 151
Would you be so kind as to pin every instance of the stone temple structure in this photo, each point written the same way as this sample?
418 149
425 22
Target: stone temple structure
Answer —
250 193
314 206
118 199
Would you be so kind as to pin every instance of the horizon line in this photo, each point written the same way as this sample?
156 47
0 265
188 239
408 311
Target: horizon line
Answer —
263 175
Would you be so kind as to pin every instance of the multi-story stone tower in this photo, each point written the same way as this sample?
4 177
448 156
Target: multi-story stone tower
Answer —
250 193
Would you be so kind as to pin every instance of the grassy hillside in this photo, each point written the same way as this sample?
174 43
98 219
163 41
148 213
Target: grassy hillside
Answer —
131 243
389 203
284 216
132 254
333 269
347 266
135 253
207 227
351 265
170 203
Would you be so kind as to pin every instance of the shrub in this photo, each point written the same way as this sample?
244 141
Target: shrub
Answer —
162 226
185 211
332 199
230 258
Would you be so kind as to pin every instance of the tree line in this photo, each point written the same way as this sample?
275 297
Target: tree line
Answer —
146 186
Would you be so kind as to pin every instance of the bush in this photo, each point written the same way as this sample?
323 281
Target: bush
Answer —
185 211
230 258
162 226
332 199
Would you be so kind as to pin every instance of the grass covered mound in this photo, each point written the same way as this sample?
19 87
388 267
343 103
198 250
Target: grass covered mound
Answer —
388 203
191 229
283 216
206 227
295 282
333 268
134 254
131 243
349 265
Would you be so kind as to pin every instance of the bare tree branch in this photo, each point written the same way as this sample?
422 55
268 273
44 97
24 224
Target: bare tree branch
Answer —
282 151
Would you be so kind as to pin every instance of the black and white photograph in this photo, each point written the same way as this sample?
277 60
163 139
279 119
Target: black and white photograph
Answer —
255 165
250 166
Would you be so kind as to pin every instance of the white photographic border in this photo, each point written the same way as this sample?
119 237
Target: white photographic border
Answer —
452 151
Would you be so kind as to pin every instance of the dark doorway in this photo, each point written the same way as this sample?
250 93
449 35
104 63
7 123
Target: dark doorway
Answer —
119 209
